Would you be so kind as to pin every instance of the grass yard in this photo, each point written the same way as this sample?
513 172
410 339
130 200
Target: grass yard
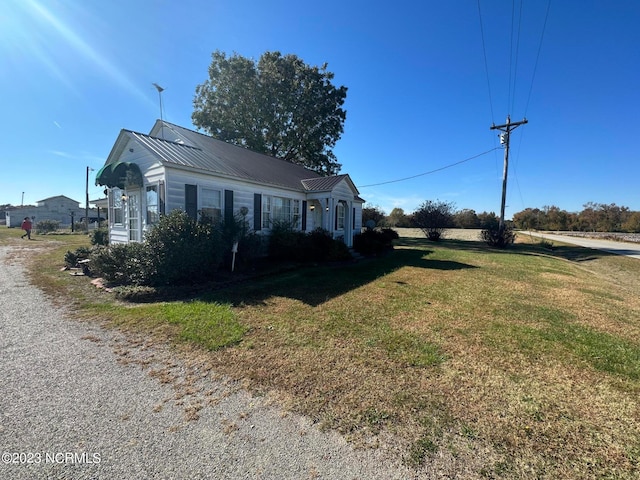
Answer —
522 363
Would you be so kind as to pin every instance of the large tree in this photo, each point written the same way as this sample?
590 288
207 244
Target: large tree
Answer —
278 105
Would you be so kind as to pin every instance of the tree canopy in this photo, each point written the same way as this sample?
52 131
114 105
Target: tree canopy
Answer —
278 105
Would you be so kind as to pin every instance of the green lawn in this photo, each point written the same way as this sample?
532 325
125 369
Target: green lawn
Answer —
522 363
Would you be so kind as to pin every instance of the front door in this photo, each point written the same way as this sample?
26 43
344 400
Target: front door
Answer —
133 213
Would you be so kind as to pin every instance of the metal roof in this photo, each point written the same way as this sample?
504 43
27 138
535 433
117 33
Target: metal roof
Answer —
322 184
202 152
197 151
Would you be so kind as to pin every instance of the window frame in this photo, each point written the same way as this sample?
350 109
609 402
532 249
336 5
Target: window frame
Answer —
276 208
148 211
116 207
216 211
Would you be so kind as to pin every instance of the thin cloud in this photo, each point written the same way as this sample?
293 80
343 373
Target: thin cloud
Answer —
87 51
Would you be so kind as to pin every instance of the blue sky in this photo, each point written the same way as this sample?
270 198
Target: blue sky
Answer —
421 97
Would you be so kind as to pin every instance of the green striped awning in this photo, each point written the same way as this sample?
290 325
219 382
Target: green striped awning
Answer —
120 174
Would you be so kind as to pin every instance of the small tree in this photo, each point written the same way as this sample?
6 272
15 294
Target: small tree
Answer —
373 213
433 218
466 218
397 218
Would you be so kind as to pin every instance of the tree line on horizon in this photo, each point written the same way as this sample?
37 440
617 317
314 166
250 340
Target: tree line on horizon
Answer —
595 217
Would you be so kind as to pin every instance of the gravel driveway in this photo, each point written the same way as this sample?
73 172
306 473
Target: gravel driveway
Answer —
79 401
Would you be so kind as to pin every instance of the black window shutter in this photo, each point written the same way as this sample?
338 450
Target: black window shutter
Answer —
304 215
191 201
336 218
161 198
353 219
228 206
257 211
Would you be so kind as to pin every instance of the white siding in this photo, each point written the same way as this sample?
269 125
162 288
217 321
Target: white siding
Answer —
243 193
175 180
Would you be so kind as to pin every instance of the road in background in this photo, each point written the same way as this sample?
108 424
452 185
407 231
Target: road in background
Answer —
610 246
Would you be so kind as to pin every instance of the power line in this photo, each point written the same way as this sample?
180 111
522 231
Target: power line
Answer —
486 65
512 93
535 67
431 171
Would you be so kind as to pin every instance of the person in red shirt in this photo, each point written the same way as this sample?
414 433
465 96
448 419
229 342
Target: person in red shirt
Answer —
26 226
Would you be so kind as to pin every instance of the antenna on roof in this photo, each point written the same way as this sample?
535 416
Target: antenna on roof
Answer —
160 89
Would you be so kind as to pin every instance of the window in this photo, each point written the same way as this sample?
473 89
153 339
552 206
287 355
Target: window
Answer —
340 216
211 204
153 213
279 209
116 206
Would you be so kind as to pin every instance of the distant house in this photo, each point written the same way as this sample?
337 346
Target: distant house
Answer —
177 168
58 208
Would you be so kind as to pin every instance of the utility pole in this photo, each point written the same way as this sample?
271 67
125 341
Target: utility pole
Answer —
86 205
505 138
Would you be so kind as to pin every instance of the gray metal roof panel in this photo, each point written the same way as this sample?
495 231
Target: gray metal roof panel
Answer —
203 152
322 184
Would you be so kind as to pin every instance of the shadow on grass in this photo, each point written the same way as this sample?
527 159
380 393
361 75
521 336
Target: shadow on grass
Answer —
316 285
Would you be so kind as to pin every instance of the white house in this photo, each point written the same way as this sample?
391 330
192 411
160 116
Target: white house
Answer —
177 168
59 208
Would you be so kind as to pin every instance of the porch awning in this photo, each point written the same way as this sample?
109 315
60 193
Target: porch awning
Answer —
120 174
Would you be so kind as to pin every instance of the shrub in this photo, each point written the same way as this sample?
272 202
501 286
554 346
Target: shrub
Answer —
338 252
390 234
496 238
249 248
373 242
79 227
99 236
286 243
318 245
433 218
71 259
182 250
249 242
123 264
47 226
131 293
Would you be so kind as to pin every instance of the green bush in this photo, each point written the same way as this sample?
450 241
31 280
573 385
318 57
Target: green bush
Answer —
433 218
71 259
374 242
249 242
286 243
136 293
338 252
182 250
47 226
318 245
99 236
389 234
496 238
123 263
